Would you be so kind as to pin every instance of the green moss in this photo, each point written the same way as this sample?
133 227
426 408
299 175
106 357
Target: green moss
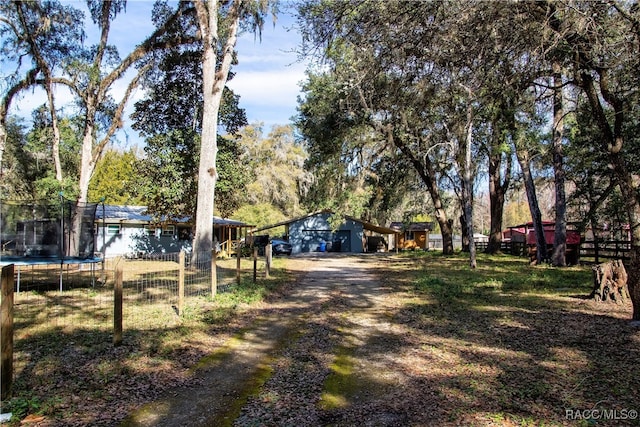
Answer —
250 387
341 383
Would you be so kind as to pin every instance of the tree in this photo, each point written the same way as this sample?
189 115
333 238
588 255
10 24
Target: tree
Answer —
172 132
277 166
49 51
558 257
115 180
600 42
385 85
13 184
47 33
215 70
53 160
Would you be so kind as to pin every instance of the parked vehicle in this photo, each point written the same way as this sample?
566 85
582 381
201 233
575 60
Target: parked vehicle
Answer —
280 247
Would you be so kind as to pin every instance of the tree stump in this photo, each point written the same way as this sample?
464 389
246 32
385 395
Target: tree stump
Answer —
610 282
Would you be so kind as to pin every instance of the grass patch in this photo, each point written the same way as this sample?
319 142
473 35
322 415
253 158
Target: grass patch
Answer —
451 276
63 341
512 343
340 383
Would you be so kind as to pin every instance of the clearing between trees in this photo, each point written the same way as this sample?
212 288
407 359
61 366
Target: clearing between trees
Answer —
390 340
352 344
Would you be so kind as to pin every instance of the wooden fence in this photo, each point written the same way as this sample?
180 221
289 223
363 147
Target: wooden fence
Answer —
591 251
6 332
597 251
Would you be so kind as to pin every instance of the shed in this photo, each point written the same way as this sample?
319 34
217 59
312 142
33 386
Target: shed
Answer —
524 235
313 232
414 235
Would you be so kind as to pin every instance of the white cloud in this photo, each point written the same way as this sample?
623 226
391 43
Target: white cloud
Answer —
267 76
268 88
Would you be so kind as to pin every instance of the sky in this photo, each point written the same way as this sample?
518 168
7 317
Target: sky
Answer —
267 75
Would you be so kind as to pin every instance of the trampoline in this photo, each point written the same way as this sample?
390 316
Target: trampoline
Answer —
37 234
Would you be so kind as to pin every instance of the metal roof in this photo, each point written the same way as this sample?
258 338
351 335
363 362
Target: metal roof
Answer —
366 225
413 226
139 214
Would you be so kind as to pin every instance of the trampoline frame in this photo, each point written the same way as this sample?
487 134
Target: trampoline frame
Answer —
31 261
27 260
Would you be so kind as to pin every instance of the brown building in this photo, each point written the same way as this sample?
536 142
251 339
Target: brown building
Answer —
412 236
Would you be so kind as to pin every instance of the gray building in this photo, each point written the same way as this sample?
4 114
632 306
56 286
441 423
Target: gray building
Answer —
314 233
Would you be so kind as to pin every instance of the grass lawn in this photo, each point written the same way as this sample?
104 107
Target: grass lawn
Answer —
504 344
508 343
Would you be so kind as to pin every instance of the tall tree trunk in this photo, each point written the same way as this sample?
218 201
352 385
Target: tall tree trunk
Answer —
558 257
3 141
534 208
213 85
628 181
426 171
498 186
87 166
445 223
55 144
463 227
500 169
467 186
48 86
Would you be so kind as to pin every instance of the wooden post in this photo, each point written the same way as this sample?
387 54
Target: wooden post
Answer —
255 263
117 305
268 256
238 267
6 332
214 274
180 283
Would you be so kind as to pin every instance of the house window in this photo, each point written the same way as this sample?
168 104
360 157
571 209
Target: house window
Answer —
113 229
169 230
150 231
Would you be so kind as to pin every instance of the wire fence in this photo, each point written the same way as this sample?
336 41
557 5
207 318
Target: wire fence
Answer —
57 303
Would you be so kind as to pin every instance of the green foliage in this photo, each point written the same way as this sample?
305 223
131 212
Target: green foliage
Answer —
116 178
496 274
166 174
277 167
260 215
19 407
234 176
28 167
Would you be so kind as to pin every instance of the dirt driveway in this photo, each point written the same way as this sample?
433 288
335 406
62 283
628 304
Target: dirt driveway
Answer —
326 344
358 343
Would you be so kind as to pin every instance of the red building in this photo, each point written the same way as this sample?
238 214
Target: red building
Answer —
523 237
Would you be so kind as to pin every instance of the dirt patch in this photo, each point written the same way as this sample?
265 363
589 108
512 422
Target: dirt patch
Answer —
225 380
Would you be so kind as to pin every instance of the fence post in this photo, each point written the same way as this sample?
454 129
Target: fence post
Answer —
117 304
255 263
181 283
238 266
214 274
6 326
268 255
